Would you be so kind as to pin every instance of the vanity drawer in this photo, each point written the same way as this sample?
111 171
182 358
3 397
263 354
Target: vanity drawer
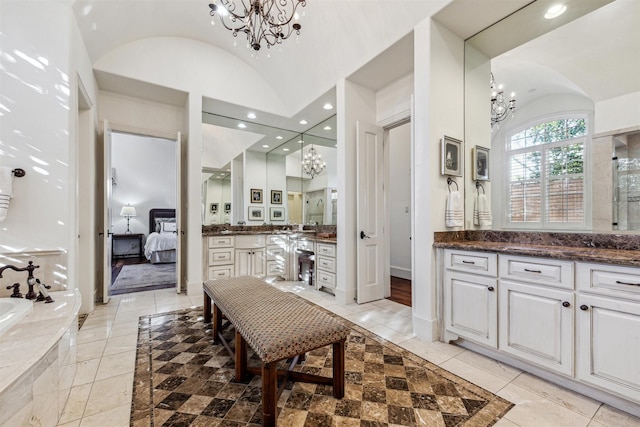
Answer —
484 263
221 256
326 279
277 240
275 268
223 272
326 249
275 253
326 263
541 271
609 280
220 241
305 245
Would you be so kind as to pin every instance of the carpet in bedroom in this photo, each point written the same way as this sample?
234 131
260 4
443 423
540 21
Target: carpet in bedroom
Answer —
144 277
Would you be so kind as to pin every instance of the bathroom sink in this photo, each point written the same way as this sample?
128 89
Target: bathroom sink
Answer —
12 310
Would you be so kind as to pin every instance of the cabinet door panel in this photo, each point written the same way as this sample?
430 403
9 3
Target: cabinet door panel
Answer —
536 325
243 262
258 262
609 332
471 307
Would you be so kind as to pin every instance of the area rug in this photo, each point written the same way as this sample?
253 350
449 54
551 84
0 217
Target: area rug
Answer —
142 277
182 379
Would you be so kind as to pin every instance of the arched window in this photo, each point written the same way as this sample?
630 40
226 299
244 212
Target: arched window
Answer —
546 174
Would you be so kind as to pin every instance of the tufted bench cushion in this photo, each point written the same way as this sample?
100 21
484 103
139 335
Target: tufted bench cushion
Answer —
276 324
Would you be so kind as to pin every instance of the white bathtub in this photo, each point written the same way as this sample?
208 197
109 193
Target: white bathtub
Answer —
12 310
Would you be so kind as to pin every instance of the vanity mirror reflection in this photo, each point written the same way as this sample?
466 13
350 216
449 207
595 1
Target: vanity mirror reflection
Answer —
267 159
586 61
216 195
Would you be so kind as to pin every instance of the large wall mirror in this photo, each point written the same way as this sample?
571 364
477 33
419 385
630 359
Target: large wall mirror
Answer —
253 167
587 60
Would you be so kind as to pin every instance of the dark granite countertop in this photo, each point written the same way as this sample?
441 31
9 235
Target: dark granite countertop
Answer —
588 254
325 234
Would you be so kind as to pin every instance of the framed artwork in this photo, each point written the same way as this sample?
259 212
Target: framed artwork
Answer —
256 195
256 213
277 214
214 208
452 152
227 208
480 163
276 197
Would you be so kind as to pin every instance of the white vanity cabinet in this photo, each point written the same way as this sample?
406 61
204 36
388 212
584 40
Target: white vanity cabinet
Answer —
220 257
470 296
608 317
250 255
325 265
536 313
277 264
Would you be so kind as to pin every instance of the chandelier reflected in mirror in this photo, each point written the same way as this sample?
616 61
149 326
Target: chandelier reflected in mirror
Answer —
268 21
500 109
312 163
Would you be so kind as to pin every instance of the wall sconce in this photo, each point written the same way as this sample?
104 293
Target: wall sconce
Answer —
128 212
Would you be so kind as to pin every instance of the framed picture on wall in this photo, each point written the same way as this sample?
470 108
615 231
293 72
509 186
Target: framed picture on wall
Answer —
227 208
256 213
480 163
452 152
276 197
256 195
214 208
276 214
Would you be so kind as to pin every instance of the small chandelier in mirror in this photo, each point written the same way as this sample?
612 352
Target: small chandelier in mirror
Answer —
500 109
312 163
271 21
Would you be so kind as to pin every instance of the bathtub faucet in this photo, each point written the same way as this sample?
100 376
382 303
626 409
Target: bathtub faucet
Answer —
31 281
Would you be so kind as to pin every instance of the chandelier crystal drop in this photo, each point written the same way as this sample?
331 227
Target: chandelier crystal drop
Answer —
500 109
269 21
312 163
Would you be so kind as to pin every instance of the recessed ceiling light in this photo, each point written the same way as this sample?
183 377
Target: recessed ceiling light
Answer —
303 122
301 142
278 137
285 149
265 146
327 106
242 125
327 128
251 115
555 11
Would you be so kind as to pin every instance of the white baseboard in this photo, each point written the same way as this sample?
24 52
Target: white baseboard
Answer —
425 329
403 273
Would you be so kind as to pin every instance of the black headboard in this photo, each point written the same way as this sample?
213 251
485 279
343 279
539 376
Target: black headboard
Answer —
156 215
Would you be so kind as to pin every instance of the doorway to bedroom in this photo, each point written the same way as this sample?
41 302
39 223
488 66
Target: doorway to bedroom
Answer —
142 211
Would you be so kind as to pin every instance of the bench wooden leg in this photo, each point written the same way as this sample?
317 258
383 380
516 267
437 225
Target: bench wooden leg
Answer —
269 394
217 324
207 308
241 357
338 369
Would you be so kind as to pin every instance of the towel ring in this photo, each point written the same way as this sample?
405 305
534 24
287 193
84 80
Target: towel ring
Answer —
450 181
18 173
478 187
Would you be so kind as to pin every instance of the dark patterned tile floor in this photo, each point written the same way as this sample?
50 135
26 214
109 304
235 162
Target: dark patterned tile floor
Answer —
182 379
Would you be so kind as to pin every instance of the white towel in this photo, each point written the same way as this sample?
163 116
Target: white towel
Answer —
454 212
6 190
481 210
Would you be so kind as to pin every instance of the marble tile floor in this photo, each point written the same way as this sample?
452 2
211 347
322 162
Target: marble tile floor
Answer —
103 385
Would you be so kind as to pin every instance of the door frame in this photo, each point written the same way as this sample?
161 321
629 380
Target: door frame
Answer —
177 139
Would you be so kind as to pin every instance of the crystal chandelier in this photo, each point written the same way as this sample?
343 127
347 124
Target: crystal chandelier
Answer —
499 108
312 163
261 20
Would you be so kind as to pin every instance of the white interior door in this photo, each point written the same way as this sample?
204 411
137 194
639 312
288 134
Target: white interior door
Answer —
370 213
179 230
106 213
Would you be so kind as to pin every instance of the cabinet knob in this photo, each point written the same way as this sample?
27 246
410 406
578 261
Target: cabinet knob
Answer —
566 304
491 289
584 307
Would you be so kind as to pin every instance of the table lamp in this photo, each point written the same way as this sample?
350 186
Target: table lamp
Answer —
128 212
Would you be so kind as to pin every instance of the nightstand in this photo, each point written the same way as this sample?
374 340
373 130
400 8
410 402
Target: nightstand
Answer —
126 245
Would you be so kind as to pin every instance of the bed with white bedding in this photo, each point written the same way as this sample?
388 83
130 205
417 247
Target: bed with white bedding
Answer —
160 246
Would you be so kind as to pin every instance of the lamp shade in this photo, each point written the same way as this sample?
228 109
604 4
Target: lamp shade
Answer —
128 211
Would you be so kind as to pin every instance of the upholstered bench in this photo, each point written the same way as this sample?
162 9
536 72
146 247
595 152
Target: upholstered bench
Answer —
277 325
